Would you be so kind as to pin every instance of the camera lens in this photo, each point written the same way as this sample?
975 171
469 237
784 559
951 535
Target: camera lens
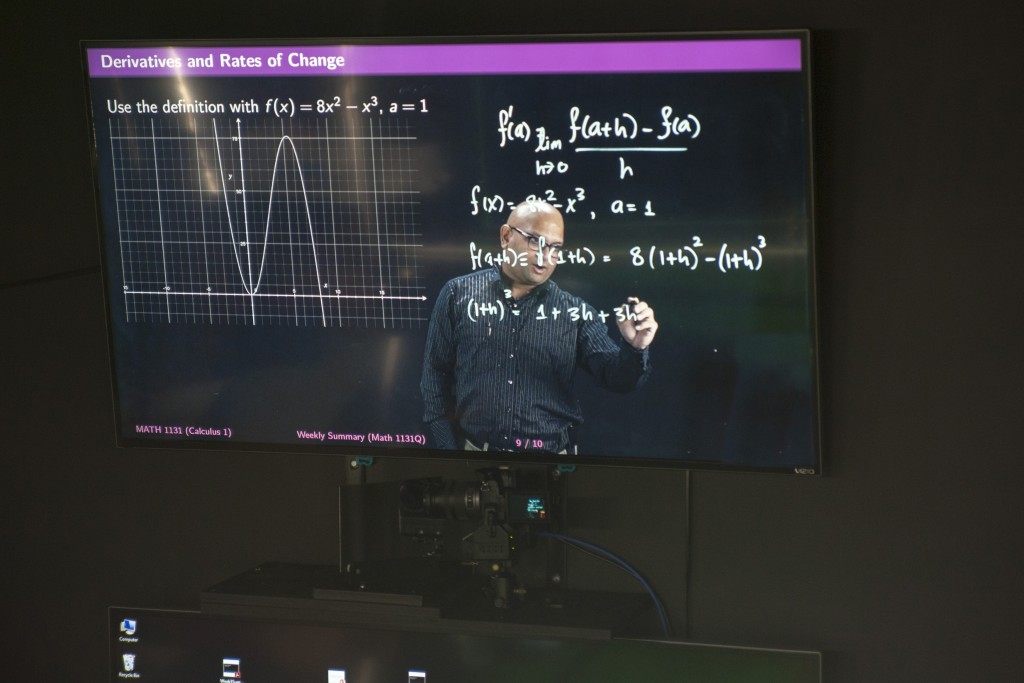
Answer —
414 495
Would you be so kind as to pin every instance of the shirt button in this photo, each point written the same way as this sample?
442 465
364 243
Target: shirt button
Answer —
510 381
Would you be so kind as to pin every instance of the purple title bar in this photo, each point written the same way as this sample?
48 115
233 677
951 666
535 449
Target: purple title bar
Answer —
771 54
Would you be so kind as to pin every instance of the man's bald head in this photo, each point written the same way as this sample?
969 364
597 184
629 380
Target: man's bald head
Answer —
532 230
526 213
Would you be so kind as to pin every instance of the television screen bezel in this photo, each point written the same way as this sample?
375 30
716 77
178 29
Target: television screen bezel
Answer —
367 453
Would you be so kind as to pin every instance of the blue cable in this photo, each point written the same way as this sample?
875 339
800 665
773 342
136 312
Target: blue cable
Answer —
662 615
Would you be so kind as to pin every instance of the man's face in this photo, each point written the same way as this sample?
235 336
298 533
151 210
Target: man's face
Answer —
529 240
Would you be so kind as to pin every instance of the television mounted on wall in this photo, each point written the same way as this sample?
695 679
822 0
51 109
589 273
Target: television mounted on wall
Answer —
549 249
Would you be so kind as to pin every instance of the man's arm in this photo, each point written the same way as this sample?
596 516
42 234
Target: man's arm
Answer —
437 383
624 365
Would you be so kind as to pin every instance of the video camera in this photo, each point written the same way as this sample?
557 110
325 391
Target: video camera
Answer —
508 515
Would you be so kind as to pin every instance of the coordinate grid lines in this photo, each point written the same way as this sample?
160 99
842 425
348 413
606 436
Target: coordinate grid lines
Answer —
267 222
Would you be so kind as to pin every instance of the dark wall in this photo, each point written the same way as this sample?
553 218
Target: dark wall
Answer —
903 563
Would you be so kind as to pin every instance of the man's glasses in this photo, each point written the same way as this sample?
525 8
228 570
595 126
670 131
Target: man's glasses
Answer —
534 242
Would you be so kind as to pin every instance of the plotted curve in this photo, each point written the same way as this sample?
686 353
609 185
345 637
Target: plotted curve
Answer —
252 287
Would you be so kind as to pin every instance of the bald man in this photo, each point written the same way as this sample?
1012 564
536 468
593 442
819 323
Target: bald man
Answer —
505 382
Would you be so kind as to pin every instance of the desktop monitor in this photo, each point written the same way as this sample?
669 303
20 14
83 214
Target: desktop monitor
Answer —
158 646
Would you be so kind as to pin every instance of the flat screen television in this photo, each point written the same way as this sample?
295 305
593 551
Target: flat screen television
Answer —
411 247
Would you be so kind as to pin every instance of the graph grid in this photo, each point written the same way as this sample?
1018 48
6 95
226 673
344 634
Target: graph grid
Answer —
273 221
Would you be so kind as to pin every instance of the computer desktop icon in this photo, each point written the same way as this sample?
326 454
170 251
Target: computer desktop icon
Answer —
231 669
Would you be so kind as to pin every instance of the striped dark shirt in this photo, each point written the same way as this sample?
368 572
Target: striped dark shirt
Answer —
499 371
